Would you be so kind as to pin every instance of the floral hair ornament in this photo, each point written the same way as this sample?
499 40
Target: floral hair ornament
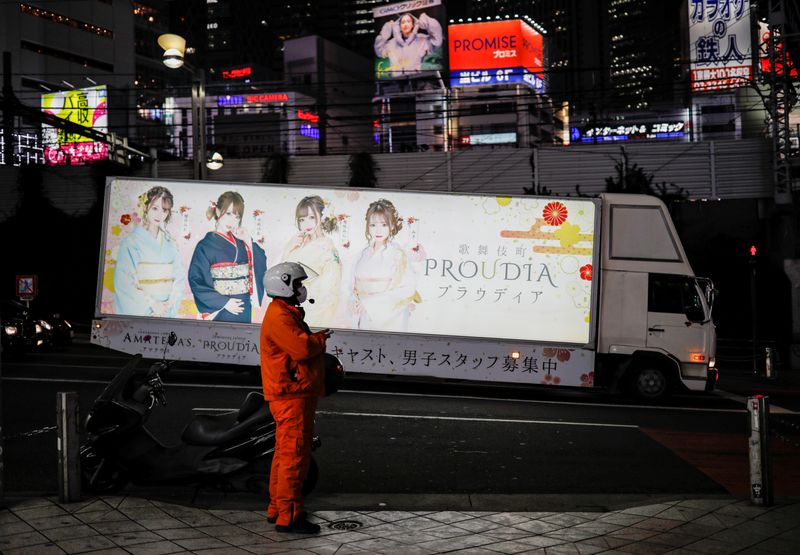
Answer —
141 204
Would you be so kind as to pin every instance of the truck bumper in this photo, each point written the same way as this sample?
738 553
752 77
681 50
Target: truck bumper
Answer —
711 380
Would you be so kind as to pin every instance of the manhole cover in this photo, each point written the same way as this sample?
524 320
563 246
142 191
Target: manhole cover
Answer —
344 525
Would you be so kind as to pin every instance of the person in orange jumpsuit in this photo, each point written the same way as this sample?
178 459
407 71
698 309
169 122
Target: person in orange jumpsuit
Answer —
292 375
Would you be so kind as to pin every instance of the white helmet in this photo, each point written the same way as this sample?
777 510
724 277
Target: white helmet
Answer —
279 280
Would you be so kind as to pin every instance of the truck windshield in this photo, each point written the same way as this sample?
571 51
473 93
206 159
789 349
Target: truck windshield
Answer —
706 286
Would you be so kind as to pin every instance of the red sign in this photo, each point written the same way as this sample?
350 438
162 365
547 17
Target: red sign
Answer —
26 288
308 116
714 78
238 72
495 44
75 153
766 63
274 97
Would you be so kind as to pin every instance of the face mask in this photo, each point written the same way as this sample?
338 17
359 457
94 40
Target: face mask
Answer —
302 294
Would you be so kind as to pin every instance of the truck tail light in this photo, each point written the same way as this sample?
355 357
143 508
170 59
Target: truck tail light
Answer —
697 357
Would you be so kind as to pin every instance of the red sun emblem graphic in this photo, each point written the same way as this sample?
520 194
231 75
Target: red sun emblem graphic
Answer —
555 213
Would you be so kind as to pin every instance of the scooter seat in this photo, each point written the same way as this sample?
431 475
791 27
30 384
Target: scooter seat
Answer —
252 403
206 429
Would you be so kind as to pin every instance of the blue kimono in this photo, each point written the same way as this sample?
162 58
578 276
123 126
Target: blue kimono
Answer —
148 271
222 267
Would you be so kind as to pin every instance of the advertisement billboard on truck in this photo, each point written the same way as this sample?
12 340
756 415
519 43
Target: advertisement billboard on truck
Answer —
385 261
456 286
496 52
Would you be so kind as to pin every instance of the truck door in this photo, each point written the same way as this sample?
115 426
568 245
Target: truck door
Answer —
670 299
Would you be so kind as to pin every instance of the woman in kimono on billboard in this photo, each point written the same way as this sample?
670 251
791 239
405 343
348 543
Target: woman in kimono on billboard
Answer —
149 278
313 248
227 268
384 285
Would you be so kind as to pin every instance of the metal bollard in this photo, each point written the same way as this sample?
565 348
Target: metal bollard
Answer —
760 464
67 425
769 368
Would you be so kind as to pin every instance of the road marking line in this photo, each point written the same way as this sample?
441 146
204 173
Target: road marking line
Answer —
254 387
586 404
105 382
465 419
739 399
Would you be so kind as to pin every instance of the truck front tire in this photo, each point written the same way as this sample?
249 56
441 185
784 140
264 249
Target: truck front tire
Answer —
650 382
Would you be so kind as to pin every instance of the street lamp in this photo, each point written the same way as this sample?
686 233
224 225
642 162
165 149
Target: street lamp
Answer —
215 161
174 49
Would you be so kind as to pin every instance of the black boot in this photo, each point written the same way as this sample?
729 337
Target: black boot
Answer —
299 526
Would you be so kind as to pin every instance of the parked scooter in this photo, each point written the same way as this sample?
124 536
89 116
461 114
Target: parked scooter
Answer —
229 451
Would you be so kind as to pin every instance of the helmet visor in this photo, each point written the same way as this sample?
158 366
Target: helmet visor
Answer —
310 272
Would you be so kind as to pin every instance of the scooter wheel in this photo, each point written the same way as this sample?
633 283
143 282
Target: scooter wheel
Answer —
100 475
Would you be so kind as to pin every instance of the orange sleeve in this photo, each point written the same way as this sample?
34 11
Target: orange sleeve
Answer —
294 341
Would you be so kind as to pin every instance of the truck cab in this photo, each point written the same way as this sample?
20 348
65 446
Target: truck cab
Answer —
655 331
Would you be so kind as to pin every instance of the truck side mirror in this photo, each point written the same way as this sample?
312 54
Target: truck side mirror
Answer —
695 314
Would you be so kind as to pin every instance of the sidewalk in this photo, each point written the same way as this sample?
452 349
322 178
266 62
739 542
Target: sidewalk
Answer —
130 525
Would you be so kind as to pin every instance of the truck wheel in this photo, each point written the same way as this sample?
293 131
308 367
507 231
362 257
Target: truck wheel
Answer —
650 383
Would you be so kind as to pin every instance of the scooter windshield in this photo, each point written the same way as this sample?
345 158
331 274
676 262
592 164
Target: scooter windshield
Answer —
119 382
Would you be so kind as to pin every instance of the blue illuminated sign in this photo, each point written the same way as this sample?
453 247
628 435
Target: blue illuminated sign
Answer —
501 76
229 100
307 131
627 132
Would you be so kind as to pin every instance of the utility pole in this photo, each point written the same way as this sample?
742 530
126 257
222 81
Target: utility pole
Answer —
779 101
780 96
8 113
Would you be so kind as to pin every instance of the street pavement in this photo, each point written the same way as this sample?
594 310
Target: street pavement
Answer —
131 525
204 522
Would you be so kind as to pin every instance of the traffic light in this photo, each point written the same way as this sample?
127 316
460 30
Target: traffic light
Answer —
753 251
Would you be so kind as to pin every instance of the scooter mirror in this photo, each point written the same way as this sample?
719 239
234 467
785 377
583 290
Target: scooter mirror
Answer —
172 338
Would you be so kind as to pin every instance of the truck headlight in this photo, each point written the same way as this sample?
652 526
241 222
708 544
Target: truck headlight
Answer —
11 330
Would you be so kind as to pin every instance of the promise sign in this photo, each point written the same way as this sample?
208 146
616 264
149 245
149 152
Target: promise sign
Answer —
720 44
496 52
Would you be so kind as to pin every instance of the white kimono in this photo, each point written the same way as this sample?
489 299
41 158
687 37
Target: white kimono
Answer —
320 255
384 284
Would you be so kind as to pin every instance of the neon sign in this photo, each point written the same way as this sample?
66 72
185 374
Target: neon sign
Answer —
272 97
238 100
307 131
658 130
308 116
238 72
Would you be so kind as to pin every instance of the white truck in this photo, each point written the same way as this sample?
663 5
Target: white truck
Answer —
556 291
